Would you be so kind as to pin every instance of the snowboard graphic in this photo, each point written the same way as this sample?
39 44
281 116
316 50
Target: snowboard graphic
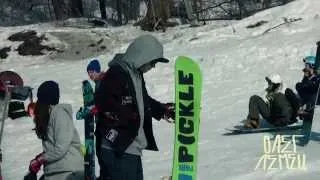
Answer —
188 84
85 113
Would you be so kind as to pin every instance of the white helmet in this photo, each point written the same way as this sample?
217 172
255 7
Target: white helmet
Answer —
274 79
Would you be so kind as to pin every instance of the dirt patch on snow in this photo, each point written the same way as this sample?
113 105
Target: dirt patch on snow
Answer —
32 44
80 45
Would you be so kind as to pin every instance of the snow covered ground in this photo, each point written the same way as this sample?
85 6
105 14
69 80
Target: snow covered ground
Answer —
234 64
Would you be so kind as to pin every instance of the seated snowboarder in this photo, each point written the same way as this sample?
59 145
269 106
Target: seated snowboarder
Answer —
276 109
308 87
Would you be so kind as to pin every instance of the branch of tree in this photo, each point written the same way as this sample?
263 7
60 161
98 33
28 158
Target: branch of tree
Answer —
228 12
215 6
286 21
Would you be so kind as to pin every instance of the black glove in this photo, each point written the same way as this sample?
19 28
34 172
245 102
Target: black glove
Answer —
169 112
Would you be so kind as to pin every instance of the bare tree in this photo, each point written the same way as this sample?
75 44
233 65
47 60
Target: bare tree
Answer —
191 8
243 12
157 16
61 9
133 7
266 4
102 5
76 8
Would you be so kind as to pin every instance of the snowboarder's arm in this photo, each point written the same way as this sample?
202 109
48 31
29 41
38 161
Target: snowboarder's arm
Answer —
157 108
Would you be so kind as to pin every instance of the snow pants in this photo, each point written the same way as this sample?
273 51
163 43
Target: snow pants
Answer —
257 107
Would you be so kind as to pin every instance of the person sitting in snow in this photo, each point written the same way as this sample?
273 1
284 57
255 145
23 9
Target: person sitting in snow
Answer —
276 109
308 87
61 156
125 109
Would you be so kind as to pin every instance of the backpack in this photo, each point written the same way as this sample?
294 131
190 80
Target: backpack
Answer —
294 102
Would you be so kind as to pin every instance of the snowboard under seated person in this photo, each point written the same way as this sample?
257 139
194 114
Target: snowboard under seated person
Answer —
276 109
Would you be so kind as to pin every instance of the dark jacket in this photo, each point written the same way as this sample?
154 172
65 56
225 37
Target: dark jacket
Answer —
307 89
280 108
117 106
308 85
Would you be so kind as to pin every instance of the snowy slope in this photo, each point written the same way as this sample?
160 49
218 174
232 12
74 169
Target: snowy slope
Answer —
234 65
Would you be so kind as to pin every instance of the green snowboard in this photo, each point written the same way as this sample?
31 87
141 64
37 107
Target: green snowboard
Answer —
188 83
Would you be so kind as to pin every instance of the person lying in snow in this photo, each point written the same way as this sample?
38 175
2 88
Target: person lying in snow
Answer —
276 109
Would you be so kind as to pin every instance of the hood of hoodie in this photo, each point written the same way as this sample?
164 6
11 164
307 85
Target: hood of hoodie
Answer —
142 50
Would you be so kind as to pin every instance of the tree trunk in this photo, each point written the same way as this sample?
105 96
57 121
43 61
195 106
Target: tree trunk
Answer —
135 9
157 15
190 8
61 9
285 2
242 9
119 12
76 8
266 4
102 5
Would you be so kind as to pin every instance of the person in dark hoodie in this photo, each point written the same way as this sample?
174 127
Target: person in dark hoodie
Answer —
61 156
126 110
308 87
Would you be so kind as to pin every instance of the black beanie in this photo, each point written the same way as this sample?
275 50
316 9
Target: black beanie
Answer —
48 93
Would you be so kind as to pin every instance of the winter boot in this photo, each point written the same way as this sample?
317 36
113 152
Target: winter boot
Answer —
252 123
